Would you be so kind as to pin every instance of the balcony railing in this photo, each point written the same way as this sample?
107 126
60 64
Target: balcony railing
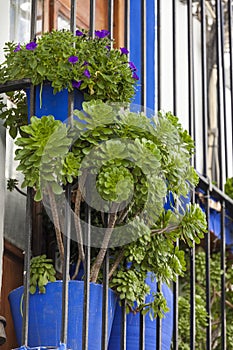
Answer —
217 15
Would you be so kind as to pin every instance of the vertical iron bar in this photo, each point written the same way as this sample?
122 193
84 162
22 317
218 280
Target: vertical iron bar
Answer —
27 258
158 326
176 283
33 19
158 55
192 299
142 333
143 53
143 104
105 303
66 264
92 17
73 16
110 17
127 24
86 278
192 133
219 91
231 55
174 54
207 264
190 73
66 239
223 279
204 87
123 326
224 88
29 204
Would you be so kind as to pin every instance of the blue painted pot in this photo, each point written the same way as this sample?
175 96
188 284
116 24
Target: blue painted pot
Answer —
53 104
45 313
133 325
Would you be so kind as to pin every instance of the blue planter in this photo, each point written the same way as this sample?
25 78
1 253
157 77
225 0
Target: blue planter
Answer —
50 104
45 312
133 325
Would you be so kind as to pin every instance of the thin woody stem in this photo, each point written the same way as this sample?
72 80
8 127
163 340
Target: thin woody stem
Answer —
56 223
76 269
100 257
116 263
78 227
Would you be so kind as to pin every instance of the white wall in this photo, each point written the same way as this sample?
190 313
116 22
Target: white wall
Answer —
182 78
4 36
12 204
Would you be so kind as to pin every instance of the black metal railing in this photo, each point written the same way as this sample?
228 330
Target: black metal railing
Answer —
222 23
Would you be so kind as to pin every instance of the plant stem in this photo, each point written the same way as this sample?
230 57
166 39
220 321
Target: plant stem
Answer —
56 223
100 257
78 227
116 263
76 269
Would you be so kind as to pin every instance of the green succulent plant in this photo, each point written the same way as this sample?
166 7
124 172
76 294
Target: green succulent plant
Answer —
131 163
202 318
41 272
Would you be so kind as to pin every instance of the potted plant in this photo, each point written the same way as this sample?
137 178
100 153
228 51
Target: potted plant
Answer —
59 62
124 165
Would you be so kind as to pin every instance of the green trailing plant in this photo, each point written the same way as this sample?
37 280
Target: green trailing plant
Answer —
14 116
132 163
69 61
202 318
66 61
228 187
41 272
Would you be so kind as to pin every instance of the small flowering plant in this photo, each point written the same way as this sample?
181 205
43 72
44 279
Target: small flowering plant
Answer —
79 61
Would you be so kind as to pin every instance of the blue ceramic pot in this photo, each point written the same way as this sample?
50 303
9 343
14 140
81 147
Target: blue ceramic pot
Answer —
50 104
45 313
133 325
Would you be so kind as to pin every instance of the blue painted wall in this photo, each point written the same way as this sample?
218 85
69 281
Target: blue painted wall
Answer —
135 48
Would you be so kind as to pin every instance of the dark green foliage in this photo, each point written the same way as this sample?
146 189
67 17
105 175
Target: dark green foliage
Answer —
41 272
110 75
15 116
201 314
228 187
135 161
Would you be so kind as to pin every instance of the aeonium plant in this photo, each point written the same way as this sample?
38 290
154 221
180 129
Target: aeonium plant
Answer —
69 61
124 166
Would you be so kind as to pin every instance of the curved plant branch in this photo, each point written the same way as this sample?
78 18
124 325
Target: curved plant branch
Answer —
56 222
116 263
100 257
78 228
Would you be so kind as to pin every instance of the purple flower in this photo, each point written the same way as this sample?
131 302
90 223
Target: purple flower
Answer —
124 51
77 84
132 66
79 33
135 76
18 48
87 73
108 47
86 63
31 46
102 33
73 59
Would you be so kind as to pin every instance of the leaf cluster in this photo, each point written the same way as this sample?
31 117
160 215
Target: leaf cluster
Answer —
110 76
228 187
15 116
41 272
215 295
133 163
